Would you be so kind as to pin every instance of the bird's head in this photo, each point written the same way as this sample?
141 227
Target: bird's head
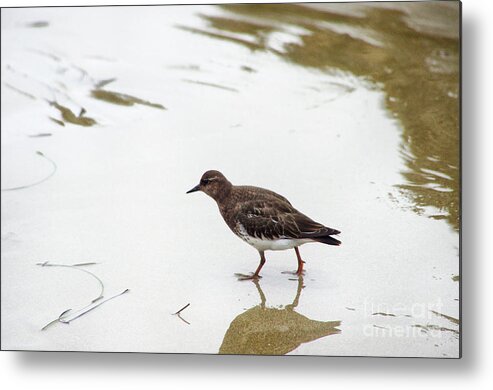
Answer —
214 184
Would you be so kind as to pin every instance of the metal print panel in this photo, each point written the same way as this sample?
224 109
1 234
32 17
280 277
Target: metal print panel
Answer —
320 148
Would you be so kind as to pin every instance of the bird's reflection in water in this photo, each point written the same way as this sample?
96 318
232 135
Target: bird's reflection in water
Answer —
264 330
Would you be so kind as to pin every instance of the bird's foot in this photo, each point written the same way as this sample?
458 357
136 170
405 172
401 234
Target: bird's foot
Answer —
252 276
297 272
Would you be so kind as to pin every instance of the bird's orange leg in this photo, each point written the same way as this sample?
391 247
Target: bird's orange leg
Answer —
256 274
299 271
262 262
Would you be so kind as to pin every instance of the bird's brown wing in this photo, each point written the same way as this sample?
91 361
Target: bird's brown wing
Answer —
273 219
258 193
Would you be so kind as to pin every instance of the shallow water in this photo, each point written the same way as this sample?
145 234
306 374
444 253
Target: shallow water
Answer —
350 111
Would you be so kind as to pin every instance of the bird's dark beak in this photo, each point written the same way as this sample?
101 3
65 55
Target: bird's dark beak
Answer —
194 189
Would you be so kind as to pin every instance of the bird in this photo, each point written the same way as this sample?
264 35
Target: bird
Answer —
263 219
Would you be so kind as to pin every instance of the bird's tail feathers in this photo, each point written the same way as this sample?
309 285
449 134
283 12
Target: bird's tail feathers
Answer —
327 240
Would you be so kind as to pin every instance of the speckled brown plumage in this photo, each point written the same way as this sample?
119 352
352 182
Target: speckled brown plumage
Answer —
263 218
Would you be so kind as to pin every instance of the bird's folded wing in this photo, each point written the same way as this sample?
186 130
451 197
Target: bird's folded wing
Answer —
274 220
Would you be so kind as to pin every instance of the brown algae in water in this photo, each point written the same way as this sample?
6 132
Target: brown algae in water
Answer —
70 117
58 122
121 98
449 318
213 85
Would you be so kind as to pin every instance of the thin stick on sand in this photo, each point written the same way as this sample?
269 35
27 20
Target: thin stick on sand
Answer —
179 311
76 266
68 316
183 308
54 166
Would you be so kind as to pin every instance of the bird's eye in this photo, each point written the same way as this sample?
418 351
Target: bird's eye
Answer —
204 181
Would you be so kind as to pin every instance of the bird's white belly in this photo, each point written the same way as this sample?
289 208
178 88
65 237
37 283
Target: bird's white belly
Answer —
265 244
274 245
